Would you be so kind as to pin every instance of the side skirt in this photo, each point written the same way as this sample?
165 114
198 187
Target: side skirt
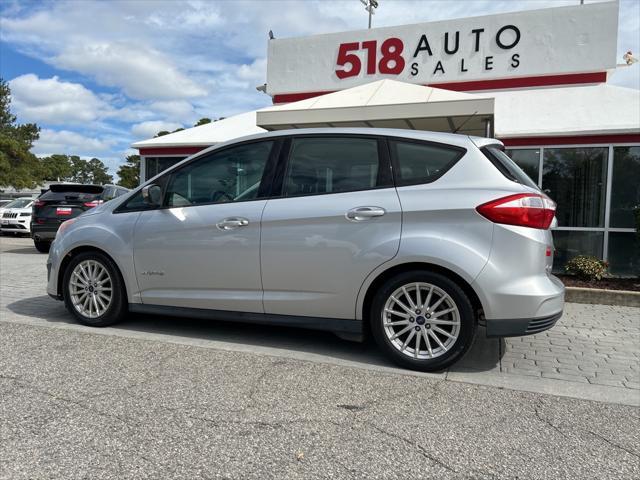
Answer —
346 329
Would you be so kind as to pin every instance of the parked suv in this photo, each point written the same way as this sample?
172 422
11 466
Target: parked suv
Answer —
15 216
62 202
414 236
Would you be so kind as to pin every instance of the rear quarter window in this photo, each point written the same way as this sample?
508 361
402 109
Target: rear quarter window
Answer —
508 167
419 162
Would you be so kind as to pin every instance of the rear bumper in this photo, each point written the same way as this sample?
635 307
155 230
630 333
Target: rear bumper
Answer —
521 326
43 234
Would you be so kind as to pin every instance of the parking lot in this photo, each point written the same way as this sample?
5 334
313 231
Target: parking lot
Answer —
157 397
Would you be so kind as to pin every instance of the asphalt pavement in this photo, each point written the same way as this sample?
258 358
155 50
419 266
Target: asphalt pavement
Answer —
148 401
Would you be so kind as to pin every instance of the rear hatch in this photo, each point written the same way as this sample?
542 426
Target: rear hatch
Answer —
62 202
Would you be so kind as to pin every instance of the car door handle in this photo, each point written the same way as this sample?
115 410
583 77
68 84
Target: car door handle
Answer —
232 223
360 214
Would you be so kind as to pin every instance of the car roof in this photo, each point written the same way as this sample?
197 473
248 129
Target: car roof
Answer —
438 137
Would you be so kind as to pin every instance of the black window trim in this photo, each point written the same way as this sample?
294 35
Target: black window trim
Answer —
500 166
497 163
385 175
265 181
398 182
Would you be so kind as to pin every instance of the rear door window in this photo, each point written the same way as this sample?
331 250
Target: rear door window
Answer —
418 162
322 165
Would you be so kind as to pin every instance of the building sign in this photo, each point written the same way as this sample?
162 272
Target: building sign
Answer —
555 41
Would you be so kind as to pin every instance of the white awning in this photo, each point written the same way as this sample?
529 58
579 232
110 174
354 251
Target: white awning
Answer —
207 134
562 111
385 104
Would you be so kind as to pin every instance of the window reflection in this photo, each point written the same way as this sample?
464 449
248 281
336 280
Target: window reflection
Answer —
156 165
576 179
625 186
571 244
528 160
624 254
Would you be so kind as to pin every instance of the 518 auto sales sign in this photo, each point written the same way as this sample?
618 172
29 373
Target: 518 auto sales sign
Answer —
555 41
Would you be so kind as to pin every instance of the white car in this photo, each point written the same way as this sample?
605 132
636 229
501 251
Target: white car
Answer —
16 216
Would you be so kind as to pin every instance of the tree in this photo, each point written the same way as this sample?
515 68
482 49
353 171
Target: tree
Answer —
19 167
129 172
56 167
162 133
202 121
99 172
92 171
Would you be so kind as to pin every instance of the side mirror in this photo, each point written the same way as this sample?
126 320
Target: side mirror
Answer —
152 195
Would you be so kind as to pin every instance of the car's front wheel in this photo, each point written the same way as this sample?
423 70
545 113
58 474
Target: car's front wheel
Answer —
422 320
93 290
42 247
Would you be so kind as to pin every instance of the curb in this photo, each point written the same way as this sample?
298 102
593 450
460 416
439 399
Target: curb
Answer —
626 298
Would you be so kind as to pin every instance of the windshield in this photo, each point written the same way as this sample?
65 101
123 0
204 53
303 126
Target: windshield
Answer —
20 203
508 167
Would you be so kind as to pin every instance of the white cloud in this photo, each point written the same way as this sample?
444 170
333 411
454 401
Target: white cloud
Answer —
54 101
255 73
177 110
142 73
172 62
70 143
145 130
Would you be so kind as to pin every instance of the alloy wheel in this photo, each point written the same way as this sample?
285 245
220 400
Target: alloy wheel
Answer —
421 320
91 288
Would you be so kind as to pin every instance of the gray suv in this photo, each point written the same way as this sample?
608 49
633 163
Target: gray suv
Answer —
415 237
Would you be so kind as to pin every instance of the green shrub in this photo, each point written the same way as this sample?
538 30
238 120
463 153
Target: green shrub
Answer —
587 267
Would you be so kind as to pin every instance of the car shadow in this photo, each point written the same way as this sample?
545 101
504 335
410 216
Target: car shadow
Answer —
483 355
22 251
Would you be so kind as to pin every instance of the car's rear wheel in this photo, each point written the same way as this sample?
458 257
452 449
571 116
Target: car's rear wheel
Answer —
93 290
422 320
42 247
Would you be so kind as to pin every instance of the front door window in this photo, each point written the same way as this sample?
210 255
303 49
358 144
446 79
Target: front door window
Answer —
230 175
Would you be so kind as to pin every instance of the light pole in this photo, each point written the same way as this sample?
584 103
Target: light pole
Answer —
370 6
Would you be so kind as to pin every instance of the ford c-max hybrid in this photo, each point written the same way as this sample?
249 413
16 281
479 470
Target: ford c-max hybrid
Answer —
415 237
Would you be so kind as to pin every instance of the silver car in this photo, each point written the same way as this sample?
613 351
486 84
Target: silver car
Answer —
415 237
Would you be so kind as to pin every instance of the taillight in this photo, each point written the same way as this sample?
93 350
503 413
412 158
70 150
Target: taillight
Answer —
92 204
523 209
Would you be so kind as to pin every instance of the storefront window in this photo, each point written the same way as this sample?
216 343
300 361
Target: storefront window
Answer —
528 160
576 179
155 165
570 244
625 187
624 254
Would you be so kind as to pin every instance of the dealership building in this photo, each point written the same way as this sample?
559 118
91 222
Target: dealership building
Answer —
536 80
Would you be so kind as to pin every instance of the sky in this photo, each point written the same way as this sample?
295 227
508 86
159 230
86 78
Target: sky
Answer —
97 76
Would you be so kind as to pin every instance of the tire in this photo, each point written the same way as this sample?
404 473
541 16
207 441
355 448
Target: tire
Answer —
42 247
459 322
89 304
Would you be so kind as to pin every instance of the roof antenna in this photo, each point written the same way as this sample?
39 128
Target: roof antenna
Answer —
465 122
